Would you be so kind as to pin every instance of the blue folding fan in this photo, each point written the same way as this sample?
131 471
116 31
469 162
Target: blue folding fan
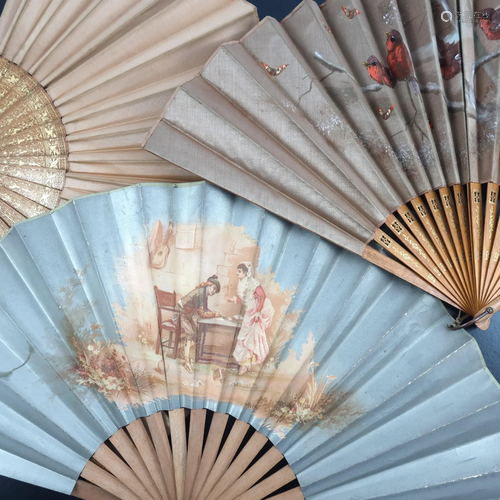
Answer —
132 324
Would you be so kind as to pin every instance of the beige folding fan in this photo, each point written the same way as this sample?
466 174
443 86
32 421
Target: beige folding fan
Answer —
81 84
368 122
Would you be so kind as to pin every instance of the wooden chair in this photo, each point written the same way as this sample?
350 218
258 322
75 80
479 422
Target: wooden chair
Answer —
166 301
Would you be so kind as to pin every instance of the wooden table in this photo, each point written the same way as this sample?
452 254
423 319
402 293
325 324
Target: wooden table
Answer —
216 341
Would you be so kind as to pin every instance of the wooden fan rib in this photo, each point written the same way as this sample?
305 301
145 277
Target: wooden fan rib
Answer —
423 237
143 443
94 474
123 472
458 244
269 485
416 249
89 491
409 260
294 494
4 228
401 271
491 240
239 465
131 455
433 221
195 449
463 221
225 457
476 231
253 474
161 442
179 449
210 451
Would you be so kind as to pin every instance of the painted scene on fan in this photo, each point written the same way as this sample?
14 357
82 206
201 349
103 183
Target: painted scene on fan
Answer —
219 327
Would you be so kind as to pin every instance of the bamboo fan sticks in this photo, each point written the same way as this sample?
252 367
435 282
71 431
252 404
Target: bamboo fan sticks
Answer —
450 239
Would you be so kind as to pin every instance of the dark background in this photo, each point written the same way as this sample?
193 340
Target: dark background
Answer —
488 341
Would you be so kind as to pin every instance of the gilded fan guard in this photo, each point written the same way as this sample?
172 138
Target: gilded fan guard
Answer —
34 153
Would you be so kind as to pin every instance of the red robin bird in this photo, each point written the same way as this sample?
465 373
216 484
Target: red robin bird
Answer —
490 23
379 73
450 59
399 60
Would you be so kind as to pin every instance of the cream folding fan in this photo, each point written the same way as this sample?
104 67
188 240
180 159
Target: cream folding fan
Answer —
368 122
88 79
157 298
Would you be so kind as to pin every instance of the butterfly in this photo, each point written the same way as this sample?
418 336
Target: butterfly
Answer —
385 114
326 28
274 71
351 14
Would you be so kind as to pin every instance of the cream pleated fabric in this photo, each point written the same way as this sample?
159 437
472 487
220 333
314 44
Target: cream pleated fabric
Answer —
108 69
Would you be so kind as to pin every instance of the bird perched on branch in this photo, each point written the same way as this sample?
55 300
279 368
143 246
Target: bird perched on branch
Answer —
381 74
399 60
450 59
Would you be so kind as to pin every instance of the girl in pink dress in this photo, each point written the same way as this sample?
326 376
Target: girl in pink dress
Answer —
251 346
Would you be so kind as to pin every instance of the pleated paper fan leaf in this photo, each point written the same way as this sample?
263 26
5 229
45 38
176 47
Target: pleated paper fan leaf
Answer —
82 83
160 297
373 124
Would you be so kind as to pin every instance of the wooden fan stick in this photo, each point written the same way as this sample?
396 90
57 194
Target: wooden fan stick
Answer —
492 297
146 449
124 473
494 288
270 484
405 273
225 457
158 431
447 247
476 225
209 456
195 449
421 235
131 455
493 272
94 474
89 491
252 475
295 494
462 206
179 449
239 465
456 234
413 246
418 231
490 217
432 231
399 252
